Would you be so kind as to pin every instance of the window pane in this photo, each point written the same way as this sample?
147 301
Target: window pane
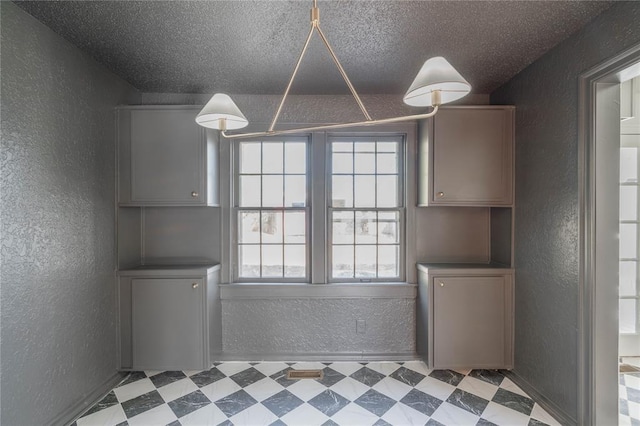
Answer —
342 191
272 191
628 315
342 146
366 228
387 163
295 157
628 278
366 261
628 236
364 147
295 227
249 191
272 157
342 228
295 191
387 191
342 162
249 261
628 164
628 203
388 225
342 262
387 147
271 227
248 227
365 163
388 260
249 157
365 191
272 261
295 261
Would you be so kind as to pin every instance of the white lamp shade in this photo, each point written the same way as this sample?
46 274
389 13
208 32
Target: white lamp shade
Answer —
436 74
221 106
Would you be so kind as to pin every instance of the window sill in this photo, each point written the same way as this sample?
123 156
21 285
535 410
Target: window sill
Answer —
378 290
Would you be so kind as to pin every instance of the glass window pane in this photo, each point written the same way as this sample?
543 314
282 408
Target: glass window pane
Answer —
249 191
628 271
249 157
365 191
272 265
342 259
388 261
387 163
388 147
387 191
272 191
628 237
365 163
295 191
364 147
366 262
342 227
271 227
342 162
629 203
272 157
295 227
248 227
366 228
628 315
342 191
295 157
628 164
342 146
249 261
295 261
388 225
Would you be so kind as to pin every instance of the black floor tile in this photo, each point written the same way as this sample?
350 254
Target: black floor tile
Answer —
514 401
163 379
468 401
188 403
142 403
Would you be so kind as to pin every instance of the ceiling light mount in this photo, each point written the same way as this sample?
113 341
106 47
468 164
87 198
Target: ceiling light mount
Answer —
437 82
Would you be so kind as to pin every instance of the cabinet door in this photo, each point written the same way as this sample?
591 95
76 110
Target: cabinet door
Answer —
471 322
167 157
473 157
167 324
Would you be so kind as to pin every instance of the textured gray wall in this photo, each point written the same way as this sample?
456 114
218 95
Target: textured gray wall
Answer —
547 214
58 255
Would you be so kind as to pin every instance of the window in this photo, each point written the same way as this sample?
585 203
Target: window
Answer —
272 210
321 208
366 209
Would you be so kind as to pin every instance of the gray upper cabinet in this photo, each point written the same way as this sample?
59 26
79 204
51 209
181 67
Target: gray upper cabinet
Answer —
466 157
165 158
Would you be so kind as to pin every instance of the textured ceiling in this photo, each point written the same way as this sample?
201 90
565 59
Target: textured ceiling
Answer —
250 47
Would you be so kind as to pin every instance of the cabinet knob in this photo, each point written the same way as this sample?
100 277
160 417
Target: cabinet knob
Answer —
441 284
194 194
194 285
440 194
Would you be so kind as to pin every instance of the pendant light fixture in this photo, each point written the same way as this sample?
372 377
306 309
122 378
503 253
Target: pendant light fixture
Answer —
437 83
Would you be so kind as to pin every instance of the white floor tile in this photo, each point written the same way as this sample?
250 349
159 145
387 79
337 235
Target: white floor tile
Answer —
622 392
231 368
220 389
449 414
350 388
354 415
306 389
150 373
503 416
177 389
308 366
634 410
132 390
385 368
161 415
632 381
401 414
269 368
418 366
205 416
256 415
108 417
392 388
263 389
478 387
539 413
346 368
435 387
304 415
510 386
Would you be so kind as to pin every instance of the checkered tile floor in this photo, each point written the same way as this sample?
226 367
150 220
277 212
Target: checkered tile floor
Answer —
350 394
629 392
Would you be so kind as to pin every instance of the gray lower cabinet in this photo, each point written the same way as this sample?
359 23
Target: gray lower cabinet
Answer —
169 317
465 316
